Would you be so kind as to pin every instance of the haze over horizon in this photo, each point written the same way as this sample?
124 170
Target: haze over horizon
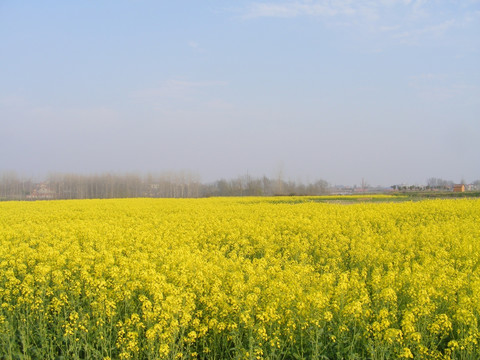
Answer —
387 90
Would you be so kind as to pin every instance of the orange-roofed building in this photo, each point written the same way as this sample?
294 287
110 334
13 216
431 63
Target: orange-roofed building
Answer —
459 188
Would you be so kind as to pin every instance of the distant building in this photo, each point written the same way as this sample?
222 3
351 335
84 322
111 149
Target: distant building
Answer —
41 192
471 187
459 188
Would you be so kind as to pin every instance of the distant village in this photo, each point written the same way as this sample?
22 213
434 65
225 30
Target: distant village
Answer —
349 190
188 185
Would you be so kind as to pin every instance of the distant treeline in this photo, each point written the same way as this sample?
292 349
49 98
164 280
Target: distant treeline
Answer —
168 185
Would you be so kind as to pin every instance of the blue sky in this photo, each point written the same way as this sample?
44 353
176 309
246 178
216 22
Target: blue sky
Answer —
384 90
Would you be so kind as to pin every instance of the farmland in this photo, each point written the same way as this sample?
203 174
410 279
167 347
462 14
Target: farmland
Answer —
240 278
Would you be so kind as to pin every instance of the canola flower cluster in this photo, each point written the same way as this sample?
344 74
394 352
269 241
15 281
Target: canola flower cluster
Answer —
239 278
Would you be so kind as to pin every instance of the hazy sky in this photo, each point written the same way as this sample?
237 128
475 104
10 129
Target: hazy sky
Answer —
342 90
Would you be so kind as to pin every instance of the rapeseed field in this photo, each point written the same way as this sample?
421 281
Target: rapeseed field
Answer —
239 278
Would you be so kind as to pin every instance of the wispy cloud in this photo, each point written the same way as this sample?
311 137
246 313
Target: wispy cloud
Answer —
326 8
413 36
300 8
195 46
405 20
389 28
